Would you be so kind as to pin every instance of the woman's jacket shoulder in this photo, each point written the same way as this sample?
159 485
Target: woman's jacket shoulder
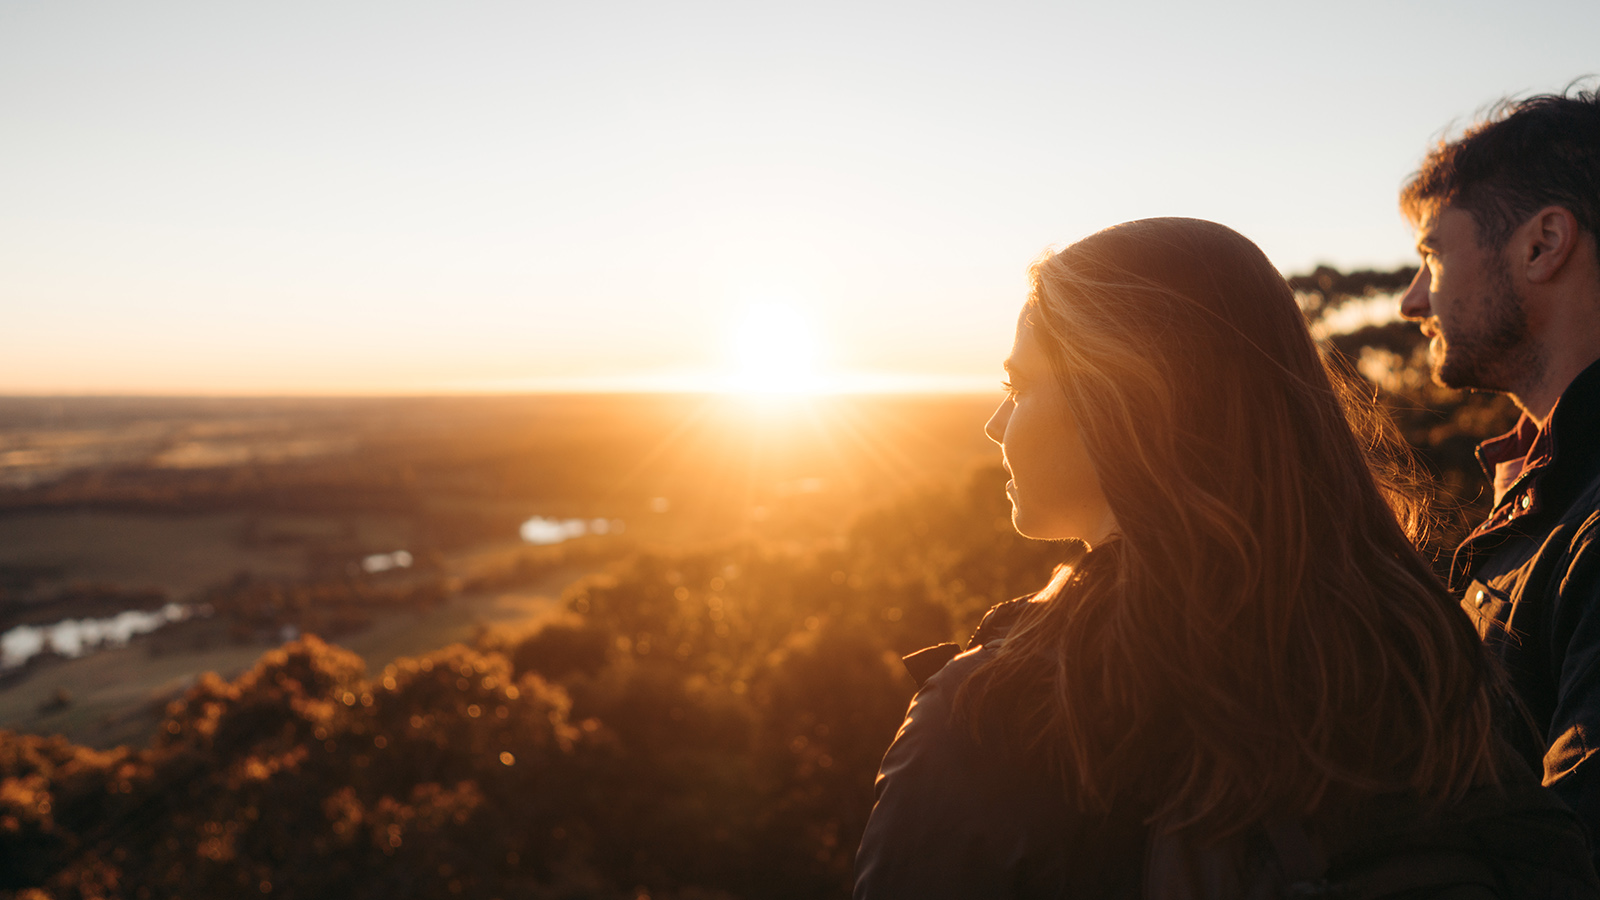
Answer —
927 662
961 814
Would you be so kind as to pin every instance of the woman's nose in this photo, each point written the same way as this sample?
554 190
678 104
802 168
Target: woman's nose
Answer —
995 428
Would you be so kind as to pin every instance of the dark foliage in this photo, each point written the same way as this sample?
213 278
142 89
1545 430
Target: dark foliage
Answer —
1442 425
697 725
1325 288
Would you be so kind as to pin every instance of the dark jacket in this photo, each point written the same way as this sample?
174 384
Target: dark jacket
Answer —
957 817
1530 578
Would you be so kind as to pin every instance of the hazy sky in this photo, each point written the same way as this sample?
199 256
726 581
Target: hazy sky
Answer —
397 196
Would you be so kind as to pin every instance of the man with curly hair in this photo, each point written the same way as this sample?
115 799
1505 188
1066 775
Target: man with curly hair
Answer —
1507 219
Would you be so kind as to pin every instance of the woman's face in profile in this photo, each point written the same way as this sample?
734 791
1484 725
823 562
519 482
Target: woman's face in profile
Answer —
1054 491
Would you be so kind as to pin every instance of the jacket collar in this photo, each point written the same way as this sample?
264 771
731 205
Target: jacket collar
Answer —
1533 468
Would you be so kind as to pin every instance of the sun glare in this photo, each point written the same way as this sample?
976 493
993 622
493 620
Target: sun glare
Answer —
774 350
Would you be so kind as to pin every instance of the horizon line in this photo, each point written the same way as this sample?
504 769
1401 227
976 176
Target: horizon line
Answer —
681 384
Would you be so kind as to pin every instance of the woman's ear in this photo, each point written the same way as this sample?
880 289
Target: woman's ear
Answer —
1545 242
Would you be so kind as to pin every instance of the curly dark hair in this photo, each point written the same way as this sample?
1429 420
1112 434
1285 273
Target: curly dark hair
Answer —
1526 154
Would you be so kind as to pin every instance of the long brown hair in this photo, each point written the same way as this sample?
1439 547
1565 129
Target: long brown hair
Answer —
1261 638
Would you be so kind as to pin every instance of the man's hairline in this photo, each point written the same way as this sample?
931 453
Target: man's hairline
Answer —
1424 215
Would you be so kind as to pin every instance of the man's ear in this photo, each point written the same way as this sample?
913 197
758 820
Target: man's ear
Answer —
1545 242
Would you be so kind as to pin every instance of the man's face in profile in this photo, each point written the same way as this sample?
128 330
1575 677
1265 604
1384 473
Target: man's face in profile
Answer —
1467 304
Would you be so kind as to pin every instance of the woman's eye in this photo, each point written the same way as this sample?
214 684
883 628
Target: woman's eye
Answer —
1009 388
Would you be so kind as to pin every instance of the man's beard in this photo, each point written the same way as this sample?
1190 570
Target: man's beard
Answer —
1495 353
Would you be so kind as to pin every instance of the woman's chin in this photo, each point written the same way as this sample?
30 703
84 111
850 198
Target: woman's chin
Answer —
1057 530
1035 530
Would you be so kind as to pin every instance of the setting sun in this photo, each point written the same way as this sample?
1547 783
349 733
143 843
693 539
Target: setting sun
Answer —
774 350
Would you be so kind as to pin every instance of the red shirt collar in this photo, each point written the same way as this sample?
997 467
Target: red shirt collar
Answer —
1507 457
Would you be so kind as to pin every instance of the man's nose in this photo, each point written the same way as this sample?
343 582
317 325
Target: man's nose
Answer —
1414 302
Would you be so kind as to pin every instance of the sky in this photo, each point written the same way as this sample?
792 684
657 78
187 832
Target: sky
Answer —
418 197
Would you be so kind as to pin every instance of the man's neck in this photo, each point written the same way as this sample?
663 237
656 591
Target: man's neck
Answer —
1539 400
1565 318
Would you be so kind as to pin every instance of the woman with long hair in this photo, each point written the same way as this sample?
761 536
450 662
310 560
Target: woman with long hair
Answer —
1251 681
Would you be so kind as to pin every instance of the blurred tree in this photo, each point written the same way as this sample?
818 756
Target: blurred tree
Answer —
1442 425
